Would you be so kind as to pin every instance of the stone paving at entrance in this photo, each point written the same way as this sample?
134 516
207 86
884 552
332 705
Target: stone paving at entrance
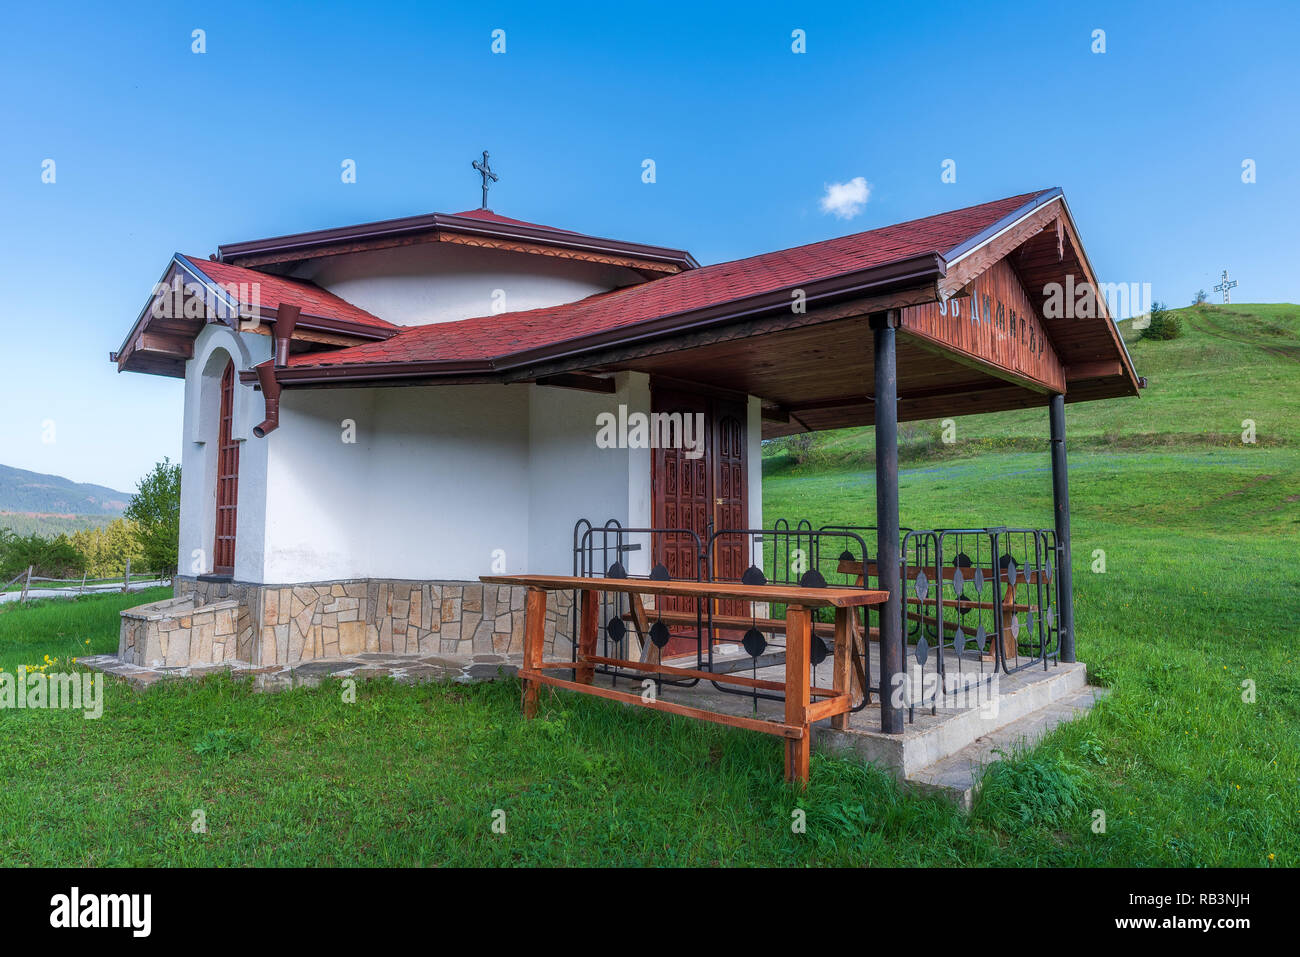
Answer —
464 669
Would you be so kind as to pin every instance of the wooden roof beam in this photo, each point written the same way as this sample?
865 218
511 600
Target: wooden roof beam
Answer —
1094 370
583 383
179 347
916 395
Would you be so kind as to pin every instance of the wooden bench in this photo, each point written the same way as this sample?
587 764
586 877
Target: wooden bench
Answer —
1010 606
800 708
687 619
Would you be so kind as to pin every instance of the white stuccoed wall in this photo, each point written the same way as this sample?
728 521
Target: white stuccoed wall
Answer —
436 481
441 282
571 477
439 478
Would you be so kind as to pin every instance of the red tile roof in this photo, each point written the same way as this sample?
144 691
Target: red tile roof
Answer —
488 216
495 336
274 290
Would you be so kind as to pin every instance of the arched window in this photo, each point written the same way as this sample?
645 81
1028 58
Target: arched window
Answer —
223 550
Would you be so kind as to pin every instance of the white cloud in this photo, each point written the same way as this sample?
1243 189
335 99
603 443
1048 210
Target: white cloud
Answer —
846 200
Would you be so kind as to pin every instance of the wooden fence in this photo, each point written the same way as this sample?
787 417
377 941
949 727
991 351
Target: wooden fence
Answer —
95 585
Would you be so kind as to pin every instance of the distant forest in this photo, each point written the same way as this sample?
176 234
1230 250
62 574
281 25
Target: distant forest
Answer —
49 526
64 546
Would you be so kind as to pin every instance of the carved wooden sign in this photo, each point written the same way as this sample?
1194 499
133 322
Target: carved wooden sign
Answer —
993 322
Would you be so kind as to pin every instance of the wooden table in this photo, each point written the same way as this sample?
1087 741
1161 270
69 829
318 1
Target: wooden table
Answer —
800 710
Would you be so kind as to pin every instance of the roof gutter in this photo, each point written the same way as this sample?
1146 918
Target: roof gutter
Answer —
271 395
285 321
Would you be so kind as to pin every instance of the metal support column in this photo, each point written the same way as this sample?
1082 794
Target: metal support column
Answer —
1061 502
891 631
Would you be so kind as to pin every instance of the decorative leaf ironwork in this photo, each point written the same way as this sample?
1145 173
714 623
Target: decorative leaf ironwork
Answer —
812 578
817 650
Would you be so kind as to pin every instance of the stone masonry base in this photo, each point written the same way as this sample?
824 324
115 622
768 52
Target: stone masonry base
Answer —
210 622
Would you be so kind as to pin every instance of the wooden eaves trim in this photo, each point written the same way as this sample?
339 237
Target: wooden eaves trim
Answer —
440 227
965 268
971 263
1073 236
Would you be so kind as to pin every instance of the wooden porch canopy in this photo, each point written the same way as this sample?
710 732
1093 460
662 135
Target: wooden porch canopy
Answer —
987 302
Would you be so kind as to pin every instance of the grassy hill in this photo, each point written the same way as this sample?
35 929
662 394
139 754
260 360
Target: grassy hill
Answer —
31 502
1232 363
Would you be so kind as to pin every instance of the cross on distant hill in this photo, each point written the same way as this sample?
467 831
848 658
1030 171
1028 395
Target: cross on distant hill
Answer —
1222 287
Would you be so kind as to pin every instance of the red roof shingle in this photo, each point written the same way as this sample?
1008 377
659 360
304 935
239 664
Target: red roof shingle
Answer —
274 290
495 336
490 217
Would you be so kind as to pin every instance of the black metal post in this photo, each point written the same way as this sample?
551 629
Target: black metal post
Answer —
891 631
1061 502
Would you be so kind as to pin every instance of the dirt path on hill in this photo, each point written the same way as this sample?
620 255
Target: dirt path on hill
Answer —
1206 323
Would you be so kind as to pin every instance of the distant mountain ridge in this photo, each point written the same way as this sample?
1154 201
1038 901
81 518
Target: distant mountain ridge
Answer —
33 493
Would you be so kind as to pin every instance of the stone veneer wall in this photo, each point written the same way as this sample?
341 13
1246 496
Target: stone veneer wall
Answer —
174 633
288 624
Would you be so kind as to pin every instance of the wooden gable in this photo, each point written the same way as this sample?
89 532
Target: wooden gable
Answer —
992 325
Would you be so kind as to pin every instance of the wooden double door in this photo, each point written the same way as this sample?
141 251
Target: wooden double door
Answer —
702 490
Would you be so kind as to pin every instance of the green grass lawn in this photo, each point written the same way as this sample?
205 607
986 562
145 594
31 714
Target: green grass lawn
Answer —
1200 594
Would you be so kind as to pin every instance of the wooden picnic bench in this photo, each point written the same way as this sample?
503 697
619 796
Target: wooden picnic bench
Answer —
800 709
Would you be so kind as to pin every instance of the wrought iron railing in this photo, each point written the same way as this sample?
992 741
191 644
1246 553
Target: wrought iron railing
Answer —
975 602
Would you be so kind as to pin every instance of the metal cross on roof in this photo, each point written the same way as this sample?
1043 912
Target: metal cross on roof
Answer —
485 170
1224 286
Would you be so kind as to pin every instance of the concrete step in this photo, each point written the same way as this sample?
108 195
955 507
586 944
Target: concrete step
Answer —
930 738
957 777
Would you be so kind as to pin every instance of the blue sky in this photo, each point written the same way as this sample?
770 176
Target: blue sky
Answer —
159 149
